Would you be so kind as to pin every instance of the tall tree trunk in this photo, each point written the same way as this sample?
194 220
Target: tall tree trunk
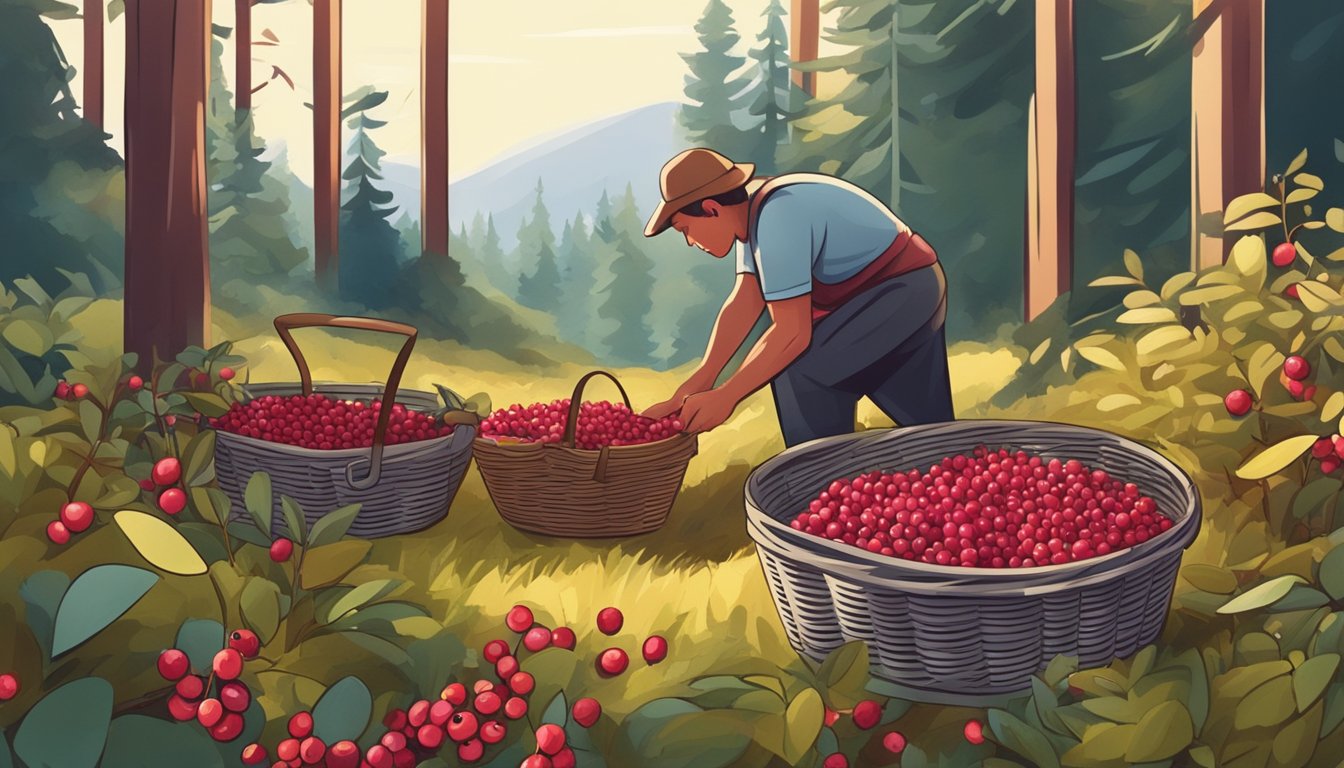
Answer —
326 139
242 65
805 30
1052 136
93 62
434 127
167 277
895 109
1227 94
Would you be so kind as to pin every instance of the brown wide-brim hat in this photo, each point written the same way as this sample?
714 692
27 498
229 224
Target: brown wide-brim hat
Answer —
694 175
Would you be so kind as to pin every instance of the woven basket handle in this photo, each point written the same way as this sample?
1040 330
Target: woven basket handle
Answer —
576 400
286 323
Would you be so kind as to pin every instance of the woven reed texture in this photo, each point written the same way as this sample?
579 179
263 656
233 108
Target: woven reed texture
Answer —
982 631
415 490
555 491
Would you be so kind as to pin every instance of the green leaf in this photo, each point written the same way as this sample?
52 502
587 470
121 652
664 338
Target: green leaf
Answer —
1297 163
1259 220
1334 218
1301 195
844 674
206 403
645 720
90 420
200 639
205 505
199 459
115 8
29 337
294 520
360 596
135 741
1311 679
1166 731
1133 264
257 498
803 722
1114 281
159 543
1203 756
556 712
249 533
1334 709
1059 668
1276 457
343 712
260 606
1261 595
1102 357
1331 575
1210 578
68 727
96 599
1105 743
1309 181
1245 204
1022 738
1267 705
42 593
332 526
1301 598
1309 499
330 563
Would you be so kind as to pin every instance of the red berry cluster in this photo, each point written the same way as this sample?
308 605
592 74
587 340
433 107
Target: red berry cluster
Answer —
67 391
9 686
320 422
992 509
75 517
1329 451
600 424
1294 378
867 714
163 480
216 702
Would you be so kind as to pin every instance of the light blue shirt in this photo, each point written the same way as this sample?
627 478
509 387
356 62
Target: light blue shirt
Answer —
822 228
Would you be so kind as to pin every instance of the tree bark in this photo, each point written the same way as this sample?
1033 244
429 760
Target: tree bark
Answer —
1227 94
434 127
1051 158
93 62
805 28
167 275
242 65
326 139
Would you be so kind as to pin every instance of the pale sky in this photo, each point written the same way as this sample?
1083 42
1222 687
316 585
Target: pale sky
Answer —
519 69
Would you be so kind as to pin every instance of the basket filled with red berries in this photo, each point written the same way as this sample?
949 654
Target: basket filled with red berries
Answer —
396 452
582 469
967 555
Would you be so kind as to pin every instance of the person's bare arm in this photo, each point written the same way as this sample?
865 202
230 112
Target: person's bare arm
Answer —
736 319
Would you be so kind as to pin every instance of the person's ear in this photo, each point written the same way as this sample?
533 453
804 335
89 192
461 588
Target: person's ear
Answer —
712 207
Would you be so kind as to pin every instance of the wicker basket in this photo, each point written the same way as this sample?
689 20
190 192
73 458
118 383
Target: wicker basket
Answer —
400 488
559 490
933 629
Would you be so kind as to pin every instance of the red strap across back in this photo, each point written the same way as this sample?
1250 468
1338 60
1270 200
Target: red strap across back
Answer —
906 253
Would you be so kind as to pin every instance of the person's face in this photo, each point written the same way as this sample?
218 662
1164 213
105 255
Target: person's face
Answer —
713 233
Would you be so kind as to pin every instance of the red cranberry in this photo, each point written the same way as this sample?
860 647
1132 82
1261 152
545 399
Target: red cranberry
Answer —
235 697
228 728
312 750
281 549
506 667
430 736
455 694
587 711
77 516
191 687
835 760
418 714
1284 255
563 637
58 533
79 391
487 703
867 714
492 732
9 687
228 664
173 664
609 621
378 756
536 639
1238 402
536 761
564 759
830 717
550 739
172 501
1296 368
395 720
246 642
255 754
522 683
519 619
655 649
301 725
210 712
462 726
515 708
470 751
181 709
343 754
166 471
495 650
439 712
226 374
974 731
894 742
612 662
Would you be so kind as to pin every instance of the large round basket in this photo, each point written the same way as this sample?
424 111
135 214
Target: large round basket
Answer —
556 489
931 629
400 488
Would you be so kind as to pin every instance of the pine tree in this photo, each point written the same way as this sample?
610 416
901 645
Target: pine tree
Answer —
577 276
476 238
715 87
369 243
773 98
602 226
541 289
628 220
253 231
492 261
697 320
533 233
629 298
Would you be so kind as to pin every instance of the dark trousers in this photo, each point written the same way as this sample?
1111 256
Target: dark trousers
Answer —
887 344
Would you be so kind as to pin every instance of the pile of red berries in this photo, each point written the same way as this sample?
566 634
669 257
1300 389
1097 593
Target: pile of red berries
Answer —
320 422
75 517
991 509
216 702
600 424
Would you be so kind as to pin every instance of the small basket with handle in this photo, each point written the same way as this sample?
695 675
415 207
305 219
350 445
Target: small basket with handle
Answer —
557 489
400 488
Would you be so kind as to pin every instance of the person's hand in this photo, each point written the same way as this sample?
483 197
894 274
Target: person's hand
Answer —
663 409
704 411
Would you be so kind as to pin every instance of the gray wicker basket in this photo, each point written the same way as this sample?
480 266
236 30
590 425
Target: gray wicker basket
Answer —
975 632
400 488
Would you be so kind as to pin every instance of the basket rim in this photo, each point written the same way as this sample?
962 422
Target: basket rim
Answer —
682 436
847 556
374 385
354 453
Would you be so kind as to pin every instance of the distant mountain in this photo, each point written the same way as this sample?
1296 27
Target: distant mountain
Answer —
575 167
